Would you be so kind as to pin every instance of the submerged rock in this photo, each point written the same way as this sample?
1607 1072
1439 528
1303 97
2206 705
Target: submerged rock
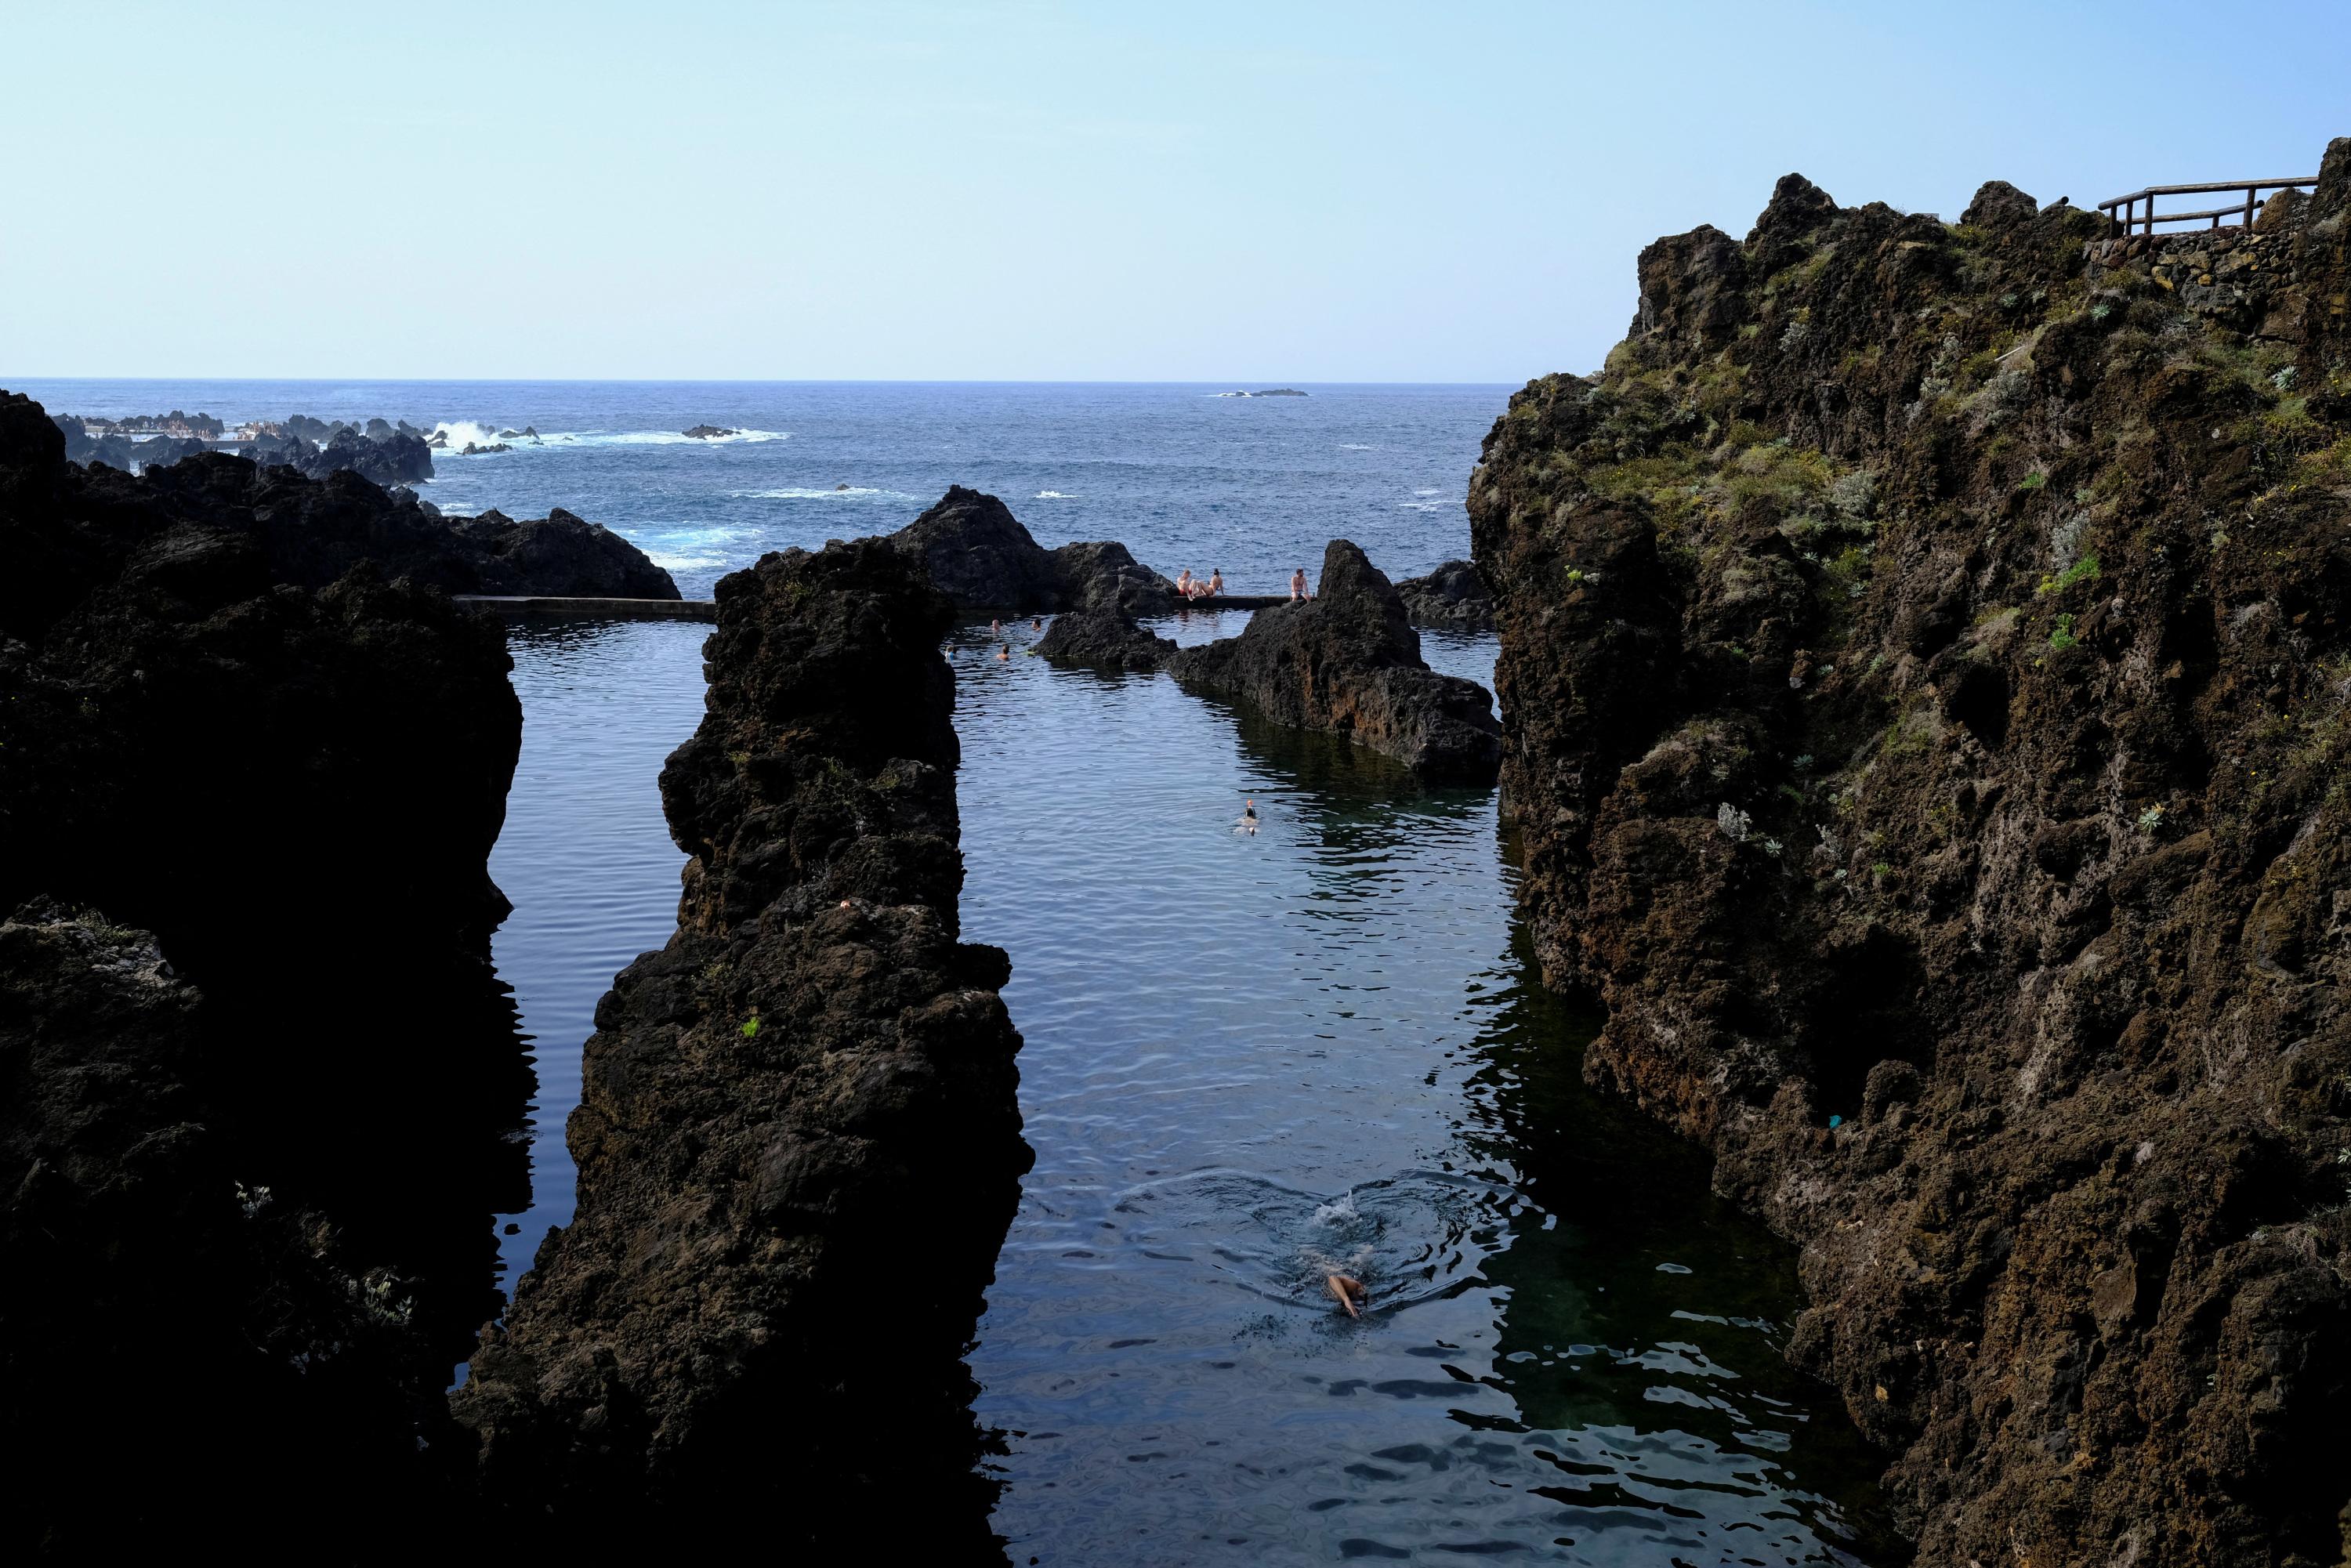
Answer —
798 1136
1923 651
1349 661
1104 635
1453 597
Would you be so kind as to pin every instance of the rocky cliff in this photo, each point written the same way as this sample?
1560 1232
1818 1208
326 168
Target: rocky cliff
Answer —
798 1136
1927 666
261 1087
1349 661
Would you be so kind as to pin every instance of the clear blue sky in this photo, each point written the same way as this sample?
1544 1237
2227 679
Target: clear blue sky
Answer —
1235 193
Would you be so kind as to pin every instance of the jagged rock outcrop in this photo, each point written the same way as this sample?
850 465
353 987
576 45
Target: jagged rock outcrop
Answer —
295 791
1105 636
312 532
798 1136
1924 651
392 458
1102 574
1453 597
981 557
1349 661
560 554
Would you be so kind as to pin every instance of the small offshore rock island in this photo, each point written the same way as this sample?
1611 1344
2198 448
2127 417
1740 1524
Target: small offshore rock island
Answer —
1923 711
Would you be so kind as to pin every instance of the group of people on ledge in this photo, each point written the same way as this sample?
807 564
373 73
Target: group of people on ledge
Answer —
1194 588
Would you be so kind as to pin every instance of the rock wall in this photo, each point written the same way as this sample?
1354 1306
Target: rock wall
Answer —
247 824
1349 661
799 1136
1926 668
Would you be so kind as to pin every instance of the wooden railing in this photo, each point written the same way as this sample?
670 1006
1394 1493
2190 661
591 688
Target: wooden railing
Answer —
2143 223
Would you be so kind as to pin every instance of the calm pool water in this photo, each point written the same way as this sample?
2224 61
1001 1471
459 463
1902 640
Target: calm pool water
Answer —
1251 1061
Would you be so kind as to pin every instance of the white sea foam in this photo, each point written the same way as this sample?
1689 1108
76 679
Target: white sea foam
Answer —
689 549
1428 492
463 433
1053 495
815 493
1338 1211
1353 446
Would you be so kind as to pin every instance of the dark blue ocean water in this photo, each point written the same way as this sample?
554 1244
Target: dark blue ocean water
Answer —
1249 1059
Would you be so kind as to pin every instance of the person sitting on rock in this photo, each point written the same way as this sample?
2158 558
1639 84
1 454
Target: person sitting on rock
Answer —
1215 582
1183 583
1298 586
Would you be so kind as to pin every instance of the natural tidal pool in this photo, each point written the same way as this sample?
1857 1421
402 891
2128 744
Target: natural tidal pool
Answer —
1250 1061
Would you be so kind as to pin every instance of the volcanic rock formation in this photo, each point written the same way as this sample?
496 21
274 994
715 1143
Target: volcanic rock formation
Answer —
798 1136
1453 597
312 532
1349 661
1925 653
1105 636
981 555
258 1085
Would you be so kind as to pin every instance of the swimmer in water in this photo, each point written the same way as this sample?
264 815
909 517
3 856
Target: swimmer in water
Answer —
1004 654
1036 624
996 628
1247 823
1350 1291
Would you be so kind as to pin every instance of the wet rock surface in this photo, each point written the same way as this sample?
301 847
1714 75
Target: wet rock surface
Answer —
1924 655
1349 661
286 797
1453 597
799 1137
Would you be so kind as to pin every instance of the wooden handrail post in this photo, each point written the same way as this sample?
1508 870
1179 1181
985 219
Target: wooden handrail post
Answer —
2249 207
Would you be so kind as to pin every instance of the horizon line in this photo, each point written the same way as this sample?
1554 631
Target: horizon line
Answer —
1251 383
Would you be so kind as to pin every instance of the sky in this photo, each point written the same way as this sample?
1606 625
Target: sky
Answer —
1251 194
